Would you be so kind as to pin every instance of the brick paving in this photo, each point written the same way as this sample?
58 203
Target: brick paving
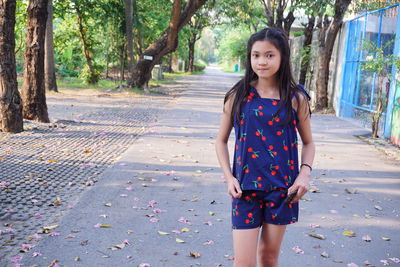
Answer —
45 169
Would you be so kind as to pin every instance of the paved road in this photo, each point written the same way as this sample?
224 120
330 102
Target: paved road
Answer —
165 198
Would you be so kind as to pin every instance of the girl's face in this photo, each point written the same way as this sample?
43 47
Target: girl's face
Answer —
265 59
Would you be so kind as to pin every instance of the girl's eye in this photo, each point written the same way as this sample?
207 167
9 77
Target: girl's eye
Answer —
269 56
255 55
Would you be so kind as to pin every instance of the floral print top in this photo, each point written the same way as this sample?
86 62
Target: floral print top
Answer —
266 152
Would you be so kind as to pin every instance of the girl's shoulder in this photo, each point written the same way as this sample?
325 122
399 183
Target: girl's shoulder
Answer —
300 97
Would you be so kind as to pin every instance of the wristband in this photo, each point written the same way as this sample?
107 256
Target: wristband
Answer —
305 164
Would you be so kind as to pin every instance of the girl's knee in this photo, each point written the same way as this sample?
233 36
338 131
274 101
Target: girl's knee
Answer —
268 255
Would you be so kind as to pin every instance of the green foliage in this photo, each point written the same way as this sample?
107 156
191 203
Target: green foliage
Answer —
89 77
360 6
199 66
233 44
298 33
377 59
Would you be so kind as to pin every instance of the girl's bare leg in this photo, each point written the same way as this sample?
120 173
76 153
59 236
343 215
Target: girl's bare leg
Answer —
245 247
270 244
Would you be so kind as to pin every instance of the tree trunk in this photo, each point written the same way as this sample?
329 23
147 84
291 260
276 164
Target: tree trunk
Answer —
325 52
122 63
174 62
379 109
269 12
305 62
10 100
33 89
129 36
107 63
50 81
191 43
86 46
274 13
166 43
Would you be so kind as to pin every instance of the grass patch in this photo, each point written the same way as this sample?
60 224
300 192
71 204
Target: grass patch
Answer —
74 83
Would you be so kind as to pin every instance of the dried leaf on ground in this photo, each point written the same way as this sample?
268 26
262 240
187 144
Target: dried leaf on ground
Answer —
53 263
322 237
314 190
377 207
349 233
351 191
194 254
179 240
366 238
325 254
163 233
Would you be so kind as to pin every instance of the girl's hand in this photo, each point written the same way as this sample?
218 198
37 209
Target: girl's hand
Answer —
234 187
301 184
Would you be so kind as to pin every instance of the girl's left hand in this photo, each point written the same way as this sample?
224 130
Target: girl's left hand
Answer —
301 184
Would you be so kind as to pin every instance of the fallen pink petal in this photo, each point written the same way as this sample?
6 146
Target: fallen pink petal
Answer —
176 231
297 250
130 188
36 236
154 220
4 183
208 242
97 225
136 199
352 265
27 246
157 211
333 211
16 259
126 242
144 265
395 260
123 195
54 234
37 215
182 220
17 265
384 262
35 254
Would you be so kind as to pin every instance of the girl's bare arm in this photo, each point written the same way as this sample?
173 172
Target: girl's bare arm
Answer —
221 147
308 148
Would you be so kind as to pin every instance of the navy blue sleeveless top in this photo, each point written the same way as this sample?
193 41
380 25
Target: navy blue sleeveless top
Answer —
266 152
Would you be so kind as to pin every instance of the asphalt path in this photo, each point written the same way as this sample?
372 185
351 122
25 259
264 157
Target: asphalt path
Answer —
164 203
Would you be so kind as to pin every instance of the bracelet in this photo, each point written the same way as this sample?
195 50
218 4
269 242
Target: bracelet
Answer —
305 164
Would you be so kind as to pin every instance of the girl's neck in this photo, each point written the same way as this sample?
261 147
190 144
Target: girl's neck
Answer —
267 87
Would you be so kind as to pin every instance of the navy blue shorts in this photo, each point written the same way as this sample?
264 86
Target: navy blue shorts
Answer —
255 207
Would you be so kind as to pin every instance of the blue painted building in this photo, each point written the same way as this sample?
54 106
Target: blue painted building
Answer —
357 96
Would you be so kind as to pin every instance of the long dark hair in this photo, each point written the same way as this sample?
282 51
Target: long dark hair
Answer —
287 85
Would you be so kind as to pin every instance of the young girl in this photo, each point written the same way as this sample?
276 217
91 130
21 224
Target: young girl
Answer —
266 108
